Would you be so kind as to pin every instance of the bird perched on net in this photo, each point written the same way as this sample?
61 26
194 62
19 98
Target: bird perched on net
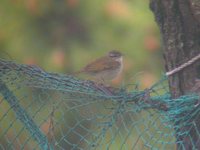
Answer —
104 68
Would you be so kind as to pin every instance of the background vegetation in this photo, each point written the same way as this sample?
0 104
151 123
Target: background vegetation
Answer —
64 35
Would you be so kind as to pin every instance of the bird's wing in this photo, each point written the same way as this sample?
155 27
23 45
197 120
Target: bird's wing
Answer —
101 64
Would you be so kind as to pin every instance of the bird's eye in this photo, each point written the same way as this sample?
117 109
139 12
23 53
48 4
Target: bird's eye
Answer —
112 55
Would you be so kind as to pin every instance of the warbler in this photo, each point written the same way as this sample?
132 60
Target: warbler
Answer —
105 68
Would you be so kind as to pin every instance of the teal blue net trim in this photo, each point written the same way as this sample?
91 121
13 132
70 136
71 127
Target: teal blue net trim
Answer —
48 111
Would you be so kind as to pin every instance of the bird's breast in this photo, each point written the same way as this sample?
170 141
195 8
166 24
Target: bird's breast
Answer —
120 60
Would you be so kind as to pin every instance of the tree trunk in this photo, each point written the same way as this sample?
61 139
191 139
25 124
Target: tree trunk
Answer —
179 22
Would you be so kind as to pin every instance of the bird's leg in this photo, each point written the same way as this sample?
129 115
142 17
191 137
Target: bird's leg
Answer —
100 81
101 85
103 81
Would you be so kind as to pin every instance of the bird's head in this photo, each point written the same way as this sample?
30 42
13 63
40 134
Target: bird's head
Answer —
115 54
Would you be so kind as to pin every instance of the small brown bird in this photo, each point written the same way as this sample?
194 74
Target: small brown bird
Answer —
105 68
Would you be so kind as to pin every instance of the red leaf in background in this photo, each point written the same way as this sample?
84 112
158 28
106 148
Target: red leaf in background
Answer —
151 43
118 9
30 61
147 80
72 3
32 6
58 58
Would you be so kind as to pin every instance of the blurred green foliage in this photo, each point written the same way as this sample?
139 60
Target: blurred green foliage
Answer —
64 35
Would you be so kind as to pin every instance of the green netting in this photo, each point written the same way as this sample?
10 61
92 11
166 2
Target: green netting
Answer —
47 111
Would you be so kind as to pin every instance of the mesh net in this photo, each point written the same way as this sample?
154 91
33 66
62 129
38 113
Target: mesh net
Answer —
47 111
